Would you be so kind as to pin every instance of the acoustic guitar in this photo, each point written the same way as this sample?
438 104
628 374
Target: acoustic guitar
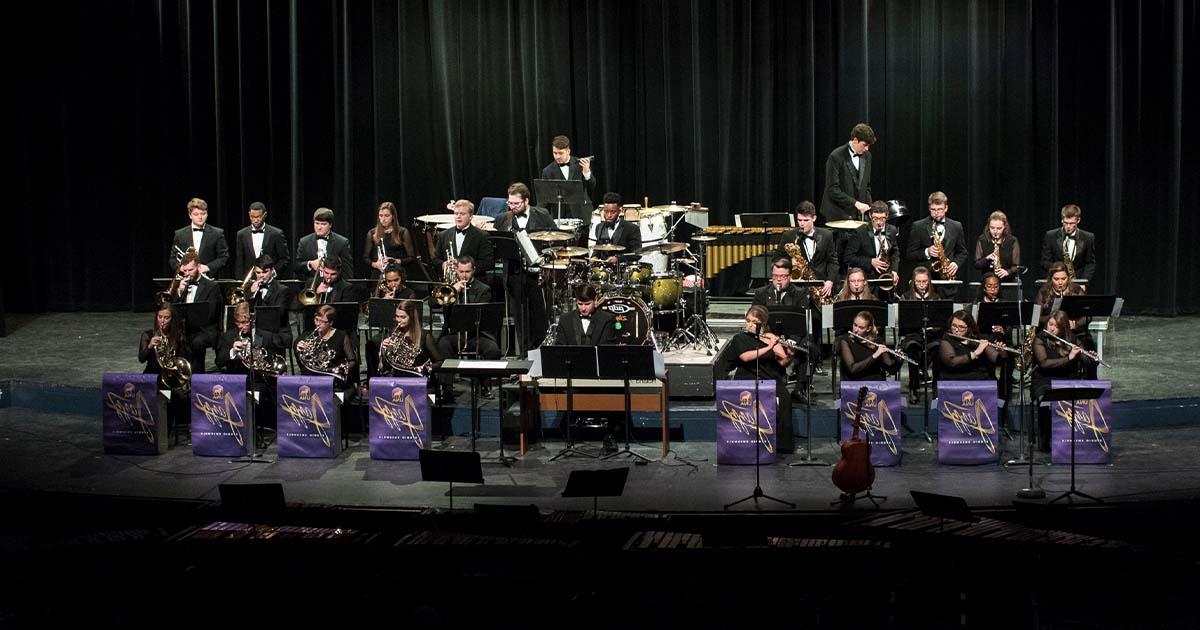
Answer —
854 472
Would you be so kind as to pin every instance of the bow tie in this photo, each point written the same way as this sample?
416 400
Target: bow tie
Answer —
323 238
812 236
196 229
460 230
256 231
1070 237
611 226
940 223
567 165
585 317
878 232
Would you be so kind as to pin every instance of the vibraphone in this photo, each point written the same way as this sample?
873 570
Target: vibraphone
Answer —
736 244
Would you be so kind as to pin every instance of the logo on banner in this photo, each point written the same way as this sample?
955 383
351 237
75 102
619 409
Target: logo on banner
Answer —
972 416
400 413
741 416
308 410
220 410
133 409
876 418
1088 417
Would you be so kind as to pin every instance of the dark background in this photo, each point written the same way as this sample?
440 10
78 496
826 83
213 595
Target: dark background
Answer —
126 109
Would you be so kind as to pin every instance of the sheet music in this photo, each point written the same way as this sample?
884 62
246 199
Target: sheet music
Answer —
527 248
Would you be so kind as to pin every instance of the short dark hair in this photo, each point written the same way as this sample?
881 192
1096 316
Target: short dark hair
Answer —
1071 210
466 260
190 257
394 268
612 197
920 269
561 142
519 188
331 262
264 262
585 293
323 214
879 206
863 133
783 263
807 209
258 205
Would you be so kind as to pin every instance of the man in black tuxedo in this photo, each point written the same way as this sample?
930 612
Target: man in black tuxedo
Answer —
334 288
322 243
565 167
873 248
780 291
268 290
257 239
817 244
527 300
848 177
587 325
245 334
614 230
1081 244
206 240
196 289
468 290
954 243
465 240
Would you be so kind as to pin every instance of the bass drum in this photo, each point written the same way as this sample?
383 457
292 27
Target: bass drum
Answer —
633 318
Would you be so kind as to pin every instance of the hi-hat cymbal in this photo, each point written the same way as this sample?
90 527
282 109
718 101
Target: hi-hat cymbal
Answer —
669 208
665 248
550 235
436 218
703 238
686 261
557 264
568 252
609 248
845 224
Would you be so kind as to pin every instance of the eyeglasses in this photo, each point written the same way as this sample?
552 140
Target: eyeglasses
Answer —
958 327
515 204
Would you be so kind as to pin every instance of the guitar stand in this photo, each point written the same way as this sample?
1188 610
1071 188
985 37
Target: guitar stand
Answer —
848 500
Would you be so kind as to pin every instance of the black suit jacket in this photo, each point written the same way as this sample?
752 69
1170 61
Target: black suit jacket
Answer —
206 291
627 234
601 331
844 185
338 247
954 242
342 291
574 173
214 251
1085 252
824 261
539 219
278 294
274 245
792 296
262 339
476 244
860 249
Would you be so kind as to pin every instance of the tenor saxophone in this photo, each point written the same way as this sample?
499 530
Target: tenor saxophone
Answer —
801 271
1067 261
941 264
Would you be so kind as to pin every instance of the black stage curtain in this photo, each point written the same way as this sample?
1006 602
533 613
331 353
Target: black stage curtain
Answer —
126 109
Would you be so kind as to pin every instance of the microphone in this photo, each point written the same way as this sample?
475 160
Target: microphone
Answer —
758 329
586 157
1021 270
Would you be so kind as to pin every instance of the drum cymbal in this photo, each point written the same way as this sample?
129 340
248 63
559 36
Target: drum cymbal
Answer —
845 224
557 264
568 252
609 248
703 238
686 261
446 226
668 208
436 218
665 248
550 235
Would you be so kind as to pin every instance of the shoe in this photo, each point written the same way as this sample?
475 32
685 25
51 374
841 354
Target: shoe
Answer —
819 370
913 398
610 444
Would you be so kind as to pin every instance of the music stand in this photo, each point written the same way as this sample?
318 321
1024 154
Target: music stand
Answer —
559 192
626 363
942 507
1081 306
1008 290
1072 394
569 362
596 483
381 312
468 319
875 283
451 467
1007 315
943 288
345 317
920 314
792 323
504 244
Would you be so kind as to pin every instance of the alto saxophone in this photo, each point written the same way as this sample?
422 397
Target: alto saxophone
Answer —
941 264
801 271
1070 264
996 258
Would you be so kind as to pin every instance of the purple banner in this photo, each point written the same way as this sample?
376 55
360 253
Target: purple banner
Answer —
308 422
880 417
221 425
968 432
1093 425
399 417
736 433
133 418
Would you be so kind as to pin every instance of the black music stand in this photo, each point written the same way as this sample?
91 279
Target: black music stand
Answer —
345 317
1008 291
758 493
626 363
506 248
948 289
560 191
450 466
876 283
1072 394
843 320
1007 314
381 312
942 507
596 483
791 322
570 362
469 319
921 314
1081 306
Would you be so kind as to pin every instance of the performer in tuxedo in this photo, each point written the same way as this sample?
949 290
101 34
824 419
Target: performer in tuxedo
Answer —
873 247
997 250
566 167
966 360
920 289
859 361
587 325
207 241
613 229
921 248
388 243
855 287
469 290
1079 244
260 238
526 298
323 243
167 327
334 288
848 177
243 336
781 291
268 290
1052 360
817 245
195 288
464 240
757 344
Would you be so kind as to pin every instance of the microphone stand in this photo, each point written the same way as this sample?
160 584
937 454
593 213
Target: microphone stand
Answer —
1031 490
758 491
925 367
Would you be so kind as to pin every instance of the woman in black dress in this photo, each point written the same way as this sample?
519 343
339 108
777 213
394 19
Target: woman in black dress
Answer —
413 351
757 347
1052 359
388 243
996 249
913 342
328 350
168 330
973 359
858 360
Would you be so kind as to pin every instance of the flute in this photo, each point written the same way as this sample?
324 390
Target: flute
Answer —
895 353
996 344
1091 355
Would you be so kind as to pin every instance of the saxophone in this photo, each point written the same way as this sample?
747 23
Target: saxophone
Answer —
400 354
176 371
1070 264
941 264
996 258
1025 359
315 355
801 271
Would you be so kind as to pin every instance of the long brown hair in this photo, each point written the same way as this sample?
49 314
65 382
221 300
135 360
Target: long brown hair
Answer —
378 233
760 313
414 331
1064 325
174 331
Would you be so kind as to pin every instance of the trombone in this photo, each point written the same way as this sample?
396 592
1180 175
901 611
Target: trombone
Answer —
237 295
179 253
308 296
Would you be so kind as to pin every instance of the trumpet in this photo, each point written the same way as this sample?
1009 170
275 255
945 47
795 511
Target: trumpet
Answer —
444 293
308 295
996 344
237 295
896 353
1087 353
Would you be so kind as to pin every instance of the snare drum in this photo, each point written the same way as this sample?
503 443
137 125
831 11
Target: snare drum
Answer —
633 318
665 290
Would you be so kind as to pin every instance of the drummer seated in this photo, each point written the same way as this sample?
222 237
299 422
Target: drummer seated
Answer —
612 229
